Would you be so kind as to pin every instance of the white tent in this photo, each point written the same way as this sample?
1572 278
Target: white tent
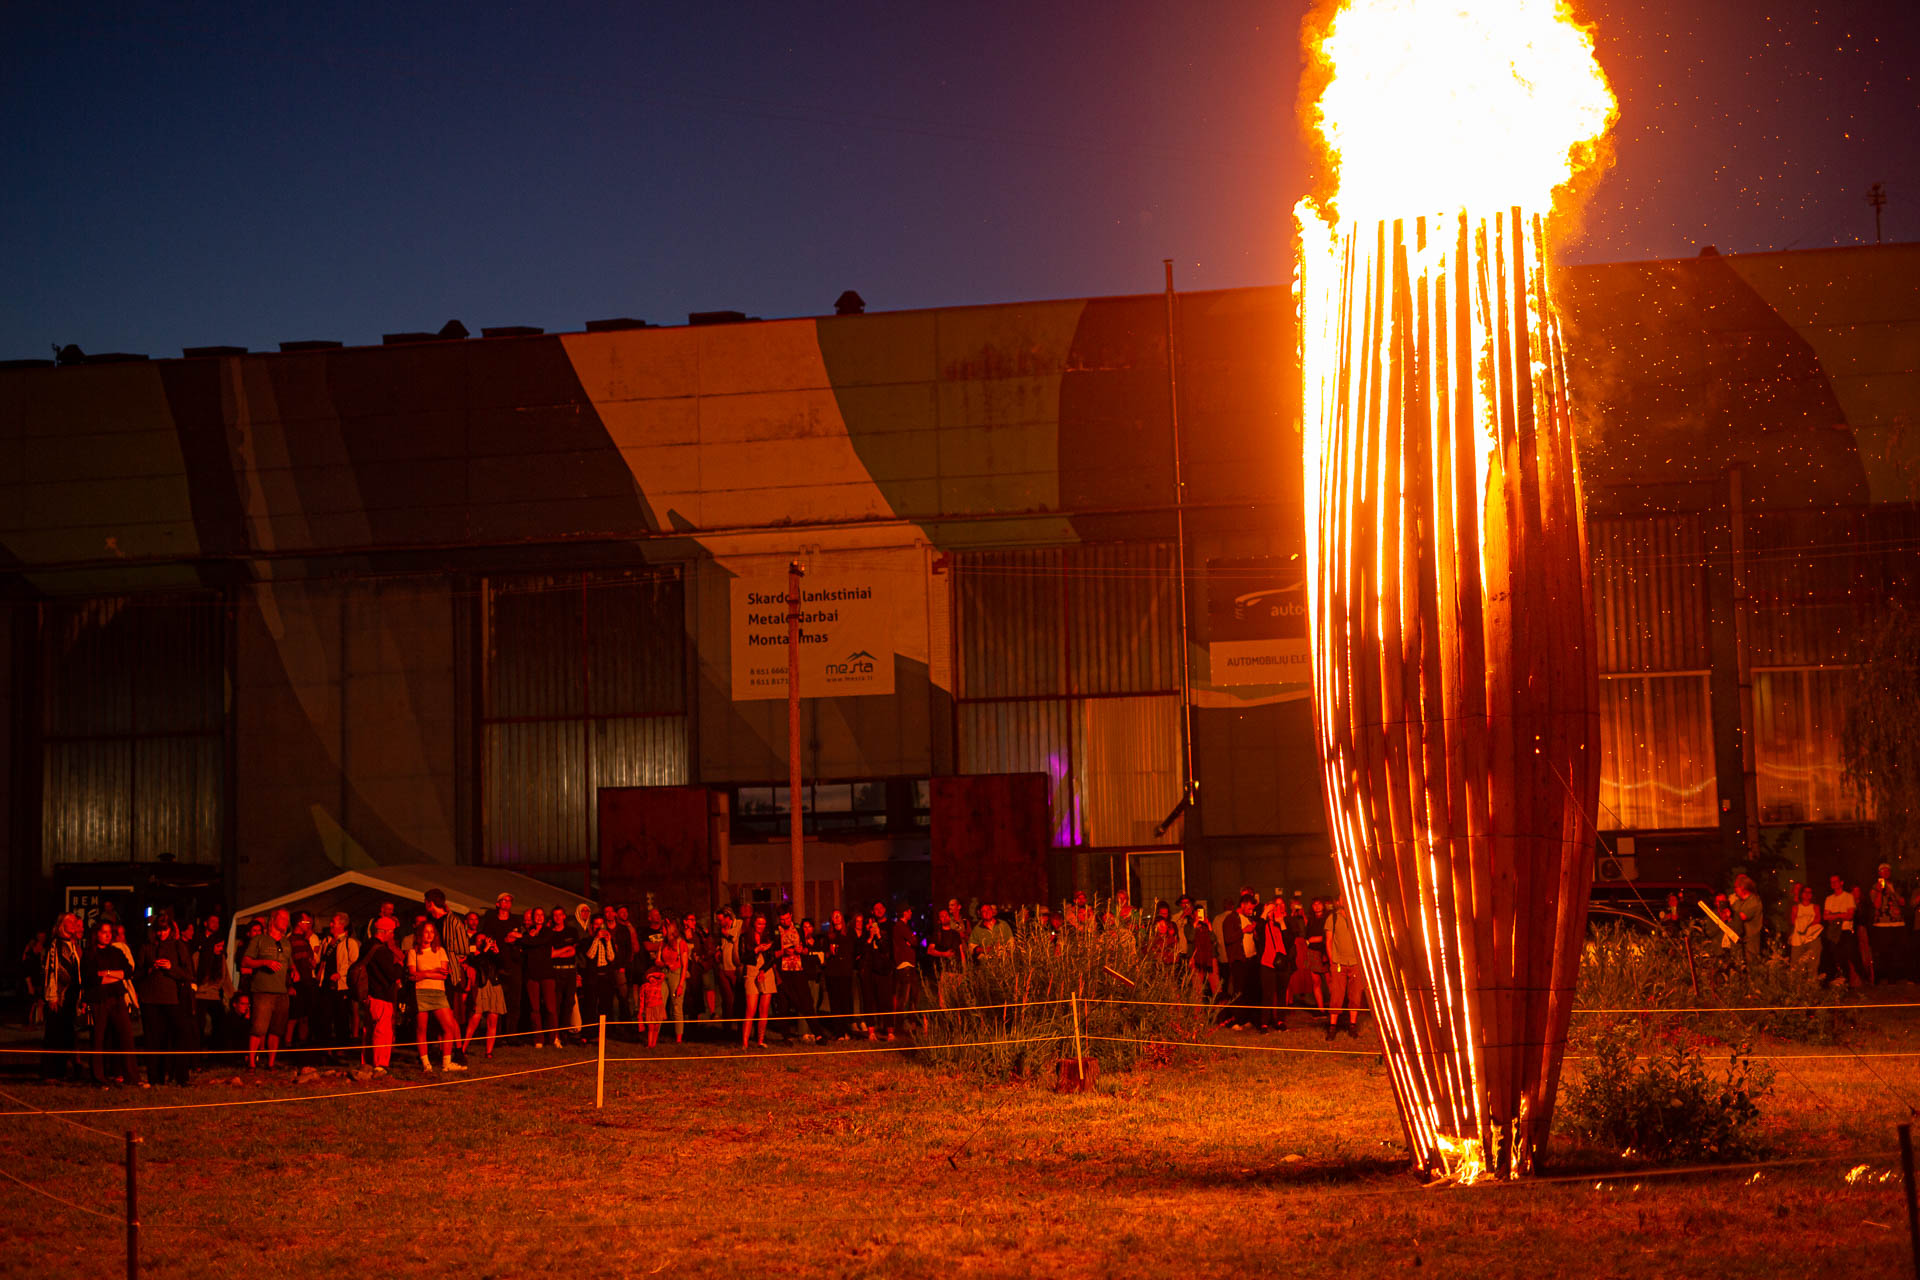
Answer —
360 893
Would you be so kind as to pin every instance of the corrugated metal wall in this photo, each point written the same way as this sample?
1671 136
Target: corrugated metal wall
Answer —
133 716
1067 667
585 688
1650 593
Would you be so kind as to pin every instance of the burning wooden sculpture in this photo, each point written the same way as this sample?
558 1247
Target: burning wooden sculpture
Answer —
1454 671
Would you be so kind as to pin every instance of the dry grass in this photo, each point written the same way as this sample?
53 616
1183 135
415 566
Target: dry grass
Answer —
1224 1161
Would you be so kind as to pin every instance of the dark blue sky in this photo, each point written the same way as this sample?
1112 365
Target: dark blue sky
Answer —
251 174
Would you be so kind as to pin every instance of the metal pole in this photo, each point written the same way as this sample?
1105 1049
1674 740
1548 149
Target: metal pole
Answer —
600 1068
793 738
1180 555
1913 1205
133 1207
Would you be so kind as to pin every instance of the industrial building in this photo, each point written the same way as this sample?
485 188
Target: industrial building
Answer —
517 600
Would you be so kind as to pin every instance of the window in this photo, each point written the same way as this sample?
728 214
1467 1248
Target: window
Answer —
1656 753
133 725
1068 667
1796 750
1656 719
891 806
585 688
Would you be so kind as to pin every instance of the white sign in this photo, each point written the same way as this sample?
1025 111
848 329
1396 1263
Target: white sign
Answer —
846 635
1272 661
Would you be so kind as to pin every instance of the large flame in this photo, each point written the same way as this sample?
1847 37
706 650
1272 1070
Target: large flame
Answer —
1433 106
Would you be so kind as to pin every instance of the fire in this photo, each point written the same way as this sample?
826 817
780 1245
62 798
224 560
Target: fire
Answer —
1450 607
1436 107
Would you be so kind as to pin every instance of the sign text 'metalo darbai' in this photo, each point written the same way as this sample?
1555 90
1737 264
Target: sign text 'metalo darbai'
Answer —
846 641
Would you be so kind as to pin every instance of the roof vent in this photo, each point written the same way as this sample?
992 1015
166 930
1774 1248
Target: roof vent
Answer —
69 354
452 329
202 353
717 317
512 331
849 304
618 322
311 344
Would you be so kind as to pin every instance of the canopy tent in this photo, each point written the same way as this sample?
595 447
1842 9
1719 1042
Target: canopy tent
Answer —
360 893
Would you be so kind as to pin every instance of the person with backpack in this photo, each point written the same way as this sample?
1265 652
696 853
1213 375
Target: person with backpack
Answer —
380 974
339 1009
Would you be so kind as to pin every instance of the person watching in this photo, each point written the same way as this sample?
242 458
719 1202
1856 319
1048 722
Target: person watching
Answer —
267 965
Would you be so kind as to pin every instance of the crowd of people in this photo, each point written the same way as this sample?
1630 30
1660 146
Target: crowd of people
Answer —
442 987
1859 937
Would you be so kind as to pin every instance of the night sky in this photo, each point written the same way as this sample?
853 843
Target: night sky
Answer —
248 175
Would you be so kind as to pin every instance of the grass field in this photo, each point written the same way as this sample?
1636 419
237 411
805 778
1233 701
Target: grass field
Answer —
1230 1160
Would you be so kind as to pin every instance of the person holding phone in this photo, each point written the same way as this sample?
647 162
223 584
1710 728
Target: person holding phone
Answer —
166 994
104 971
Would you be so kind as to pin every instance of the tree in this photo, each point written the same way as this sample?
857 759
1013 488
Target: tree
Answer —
1880 745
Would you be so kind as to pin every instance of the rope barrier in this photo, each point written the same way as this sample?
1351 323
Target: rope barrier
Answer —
1730 1008
40 1191
86 1128
399 1041
302 1097
829 1053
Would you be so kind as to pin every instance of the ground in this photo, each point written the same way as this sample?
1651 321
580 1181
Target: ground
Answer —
1231 1160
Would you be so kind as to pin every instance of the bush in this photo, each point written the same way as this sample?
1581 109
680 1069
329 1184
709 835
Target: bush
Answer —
1625 968
1109 965
1664 1107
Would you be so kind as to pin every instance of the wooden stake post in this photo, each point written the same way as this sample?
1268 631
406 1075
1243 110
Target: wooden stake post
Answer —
133 1207
600 1068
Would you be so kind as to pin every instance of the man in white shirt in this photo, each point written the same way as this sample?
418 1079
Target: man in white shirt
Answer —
338 954
1843 949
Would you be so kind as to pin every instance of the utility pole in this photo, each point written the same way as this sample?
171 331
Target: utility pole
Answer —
1187 784
1877 197
794 573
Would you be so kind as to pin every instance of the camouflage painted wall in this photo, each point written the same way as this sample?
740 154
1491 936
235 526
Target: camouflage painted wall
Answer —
352 497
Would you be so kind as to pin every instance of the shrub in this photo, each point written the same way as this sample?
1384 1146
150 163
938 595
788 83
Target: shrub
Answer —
1625 968
1664 1107
1110 965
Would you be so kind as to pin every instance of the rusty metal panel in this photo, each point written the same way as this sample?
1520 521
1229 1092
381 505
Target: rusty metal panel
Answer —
1650 593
